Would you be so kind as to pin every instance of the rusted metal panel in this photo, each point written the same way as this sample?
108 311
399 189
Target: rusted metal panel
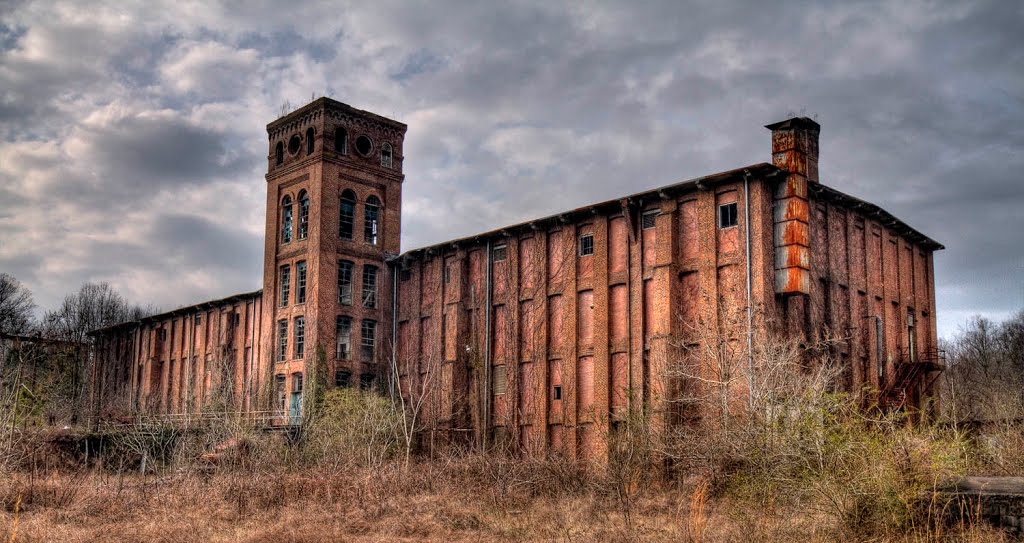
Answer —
793 256
793 281
792 233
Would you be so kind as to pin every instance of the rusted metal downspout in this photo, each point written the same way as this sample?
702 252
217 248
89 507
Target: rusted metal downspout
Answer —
750 309
629 304
394 332
486 400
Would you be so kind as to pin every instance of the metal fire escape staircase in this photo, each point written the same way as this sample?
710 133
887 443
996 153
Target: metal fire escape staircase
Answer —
912 368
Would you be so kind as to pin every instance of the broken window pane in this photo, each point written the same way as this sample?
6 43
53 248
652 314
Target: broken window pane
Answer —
369 286
369 338
371 214
343 331
344 282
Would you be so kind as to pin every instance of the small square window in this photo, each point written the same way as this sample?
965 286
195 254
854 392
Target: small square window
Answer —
649 219
586 244
557 394
366 381
499 253
405 275
727 215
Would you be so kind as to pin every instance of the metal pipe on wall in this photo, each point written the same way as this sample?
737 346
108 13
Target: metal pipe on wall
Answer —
486 400
750 309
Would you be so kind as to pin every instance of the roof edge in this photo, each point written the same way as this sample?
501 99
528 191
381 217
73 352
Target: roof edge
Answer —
179 311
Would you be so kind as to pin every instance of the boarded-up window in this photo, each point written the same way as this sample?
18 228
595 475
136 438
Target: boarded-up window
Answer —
556 255
502 333
426 354
529 268
906 271
585 318
555 438
891 270
620 382
527 388
875 257
451 279
617 245
688 229
585 386
586 438
527 330
731 286
858 262
451 336
837 242
404 348
555 323
618 320
689 290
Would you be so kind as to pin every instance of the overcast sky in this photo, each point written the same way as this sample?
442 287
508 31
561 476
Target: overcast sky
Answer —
133 142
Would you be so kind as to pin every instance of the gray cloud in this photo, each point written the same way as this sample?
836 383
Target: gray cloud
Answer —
133 146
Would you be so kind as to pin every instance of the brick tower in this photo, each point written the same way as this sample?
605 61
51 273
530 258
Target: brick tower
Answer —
334 201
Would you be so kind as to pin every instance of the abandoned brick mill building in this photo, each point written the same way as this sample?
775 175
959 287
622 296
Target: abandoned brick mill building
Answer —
547 331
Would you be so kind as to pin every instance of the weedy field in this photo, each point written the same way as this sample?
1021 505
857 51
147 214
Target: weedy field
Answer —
826 475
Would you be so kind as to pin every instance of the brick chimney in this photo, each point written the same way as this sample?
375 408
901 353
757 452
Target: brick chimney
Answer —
794 149
795 146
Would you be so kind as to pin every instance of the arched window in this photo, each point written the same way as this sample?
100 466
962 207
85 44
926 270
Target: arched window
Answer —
371 223
279 154
340 140
303 215
286 219
309 140
385 155
347 214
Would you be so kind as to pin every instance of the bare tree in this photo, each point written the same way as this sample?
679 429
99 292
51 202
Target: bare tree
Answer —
16 306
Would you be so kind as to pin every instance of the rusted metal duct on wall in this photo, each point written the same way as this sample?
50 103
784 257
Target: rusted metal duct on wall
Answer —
794 149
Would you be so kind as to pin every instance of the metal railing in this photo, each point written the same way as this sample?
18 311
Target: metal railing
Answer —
910 368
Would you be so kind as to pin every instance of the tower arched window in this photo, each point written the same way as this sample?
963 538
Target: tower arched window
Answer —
385 155
371 223
286 219
340 140
310 139
303 215
279 154
347 214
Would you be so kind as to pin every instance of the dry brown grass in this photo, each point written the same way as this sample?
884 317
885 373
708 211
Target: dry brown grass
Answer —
437 500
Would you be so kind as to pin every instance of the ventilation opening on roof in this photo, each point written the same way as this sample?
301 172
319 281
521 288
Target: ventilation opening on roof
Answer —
648 219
